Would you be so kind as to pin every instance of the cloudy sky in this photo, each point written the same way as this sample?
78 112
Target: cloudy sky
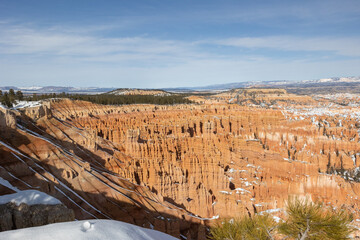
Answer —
169 43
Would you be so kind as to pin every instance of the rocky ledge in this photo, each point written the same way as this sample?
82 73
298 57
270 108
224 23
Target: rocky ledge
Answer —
31 208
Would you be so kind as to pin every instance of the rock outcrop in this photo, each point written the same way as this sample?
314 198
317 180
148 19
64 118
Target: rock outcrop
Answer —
7 119
23 216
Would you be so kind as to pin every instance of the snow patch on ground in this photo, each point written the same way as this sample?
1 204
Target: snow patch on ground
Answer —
26 104
272 210
23 104
241 190
30 197
87 229
226 192
8 185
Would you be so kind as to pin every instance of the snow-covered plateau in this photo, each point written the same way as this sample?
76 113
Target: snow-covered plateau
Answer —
87 229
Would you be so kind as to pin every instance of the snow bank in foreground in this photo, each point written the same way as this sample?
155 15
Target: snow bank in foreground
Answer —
30 197
90 230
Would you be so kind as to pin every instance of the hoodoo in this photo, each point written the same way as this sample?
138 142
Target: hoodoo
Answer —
178 168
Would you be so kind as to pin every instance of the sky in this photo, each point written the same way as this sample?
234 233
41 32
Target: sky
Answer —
158 44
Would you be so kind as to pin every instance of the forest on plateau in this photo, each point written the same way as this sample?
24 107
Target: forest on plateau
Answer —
9 98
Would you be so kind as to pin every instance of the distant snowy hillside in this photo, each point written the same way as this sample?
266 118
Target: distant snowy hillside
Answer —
91 229
57 89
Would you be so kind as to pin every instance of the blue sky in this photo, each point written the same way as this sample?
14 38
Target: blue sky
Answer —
154 44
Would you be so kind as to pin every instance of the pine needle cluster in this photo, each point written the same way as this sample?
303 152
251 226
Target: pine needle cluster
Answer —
257 227
305 221
308 220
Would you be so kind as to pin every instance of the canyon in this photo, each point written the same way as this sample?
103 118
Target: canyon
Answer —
180 168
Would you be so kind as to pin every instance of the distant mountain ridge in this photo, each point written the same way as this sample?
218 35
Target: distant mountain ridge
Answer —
271 84
58 89
328 82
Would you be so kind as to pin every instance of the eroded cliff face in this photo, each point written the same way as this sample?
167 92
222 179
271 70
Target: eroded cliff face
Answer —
226 159
7 119
174 168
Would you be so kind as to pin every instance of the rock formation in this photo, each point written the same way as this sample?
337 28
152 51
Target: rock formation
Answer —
7 119
177 168
22 216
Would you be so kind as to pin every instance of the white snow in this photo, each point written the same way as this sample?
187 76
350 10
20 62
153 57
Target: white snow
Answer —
277 219
247 184
183 236
30 88
271 210
226 192
26 104
353 157
87 226
241 190
8 185
23 104
30 197
87 229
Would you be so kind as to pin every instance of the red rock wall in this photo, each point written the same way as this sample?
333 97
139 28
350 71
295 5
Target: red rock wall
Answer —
159 165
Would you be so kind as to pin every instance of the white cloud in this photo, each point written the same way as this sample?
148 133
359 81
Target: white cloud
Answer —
41 56
340 46
55 44
91 47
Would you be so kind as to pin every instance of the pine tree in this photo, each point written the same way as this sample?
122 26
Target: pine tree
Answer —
259 227
11 92
6 100
307 220
12 96
19 95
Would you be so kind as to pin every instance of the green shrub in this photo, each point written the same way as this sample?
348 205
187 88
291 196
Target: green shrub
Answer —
305 221
259 227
